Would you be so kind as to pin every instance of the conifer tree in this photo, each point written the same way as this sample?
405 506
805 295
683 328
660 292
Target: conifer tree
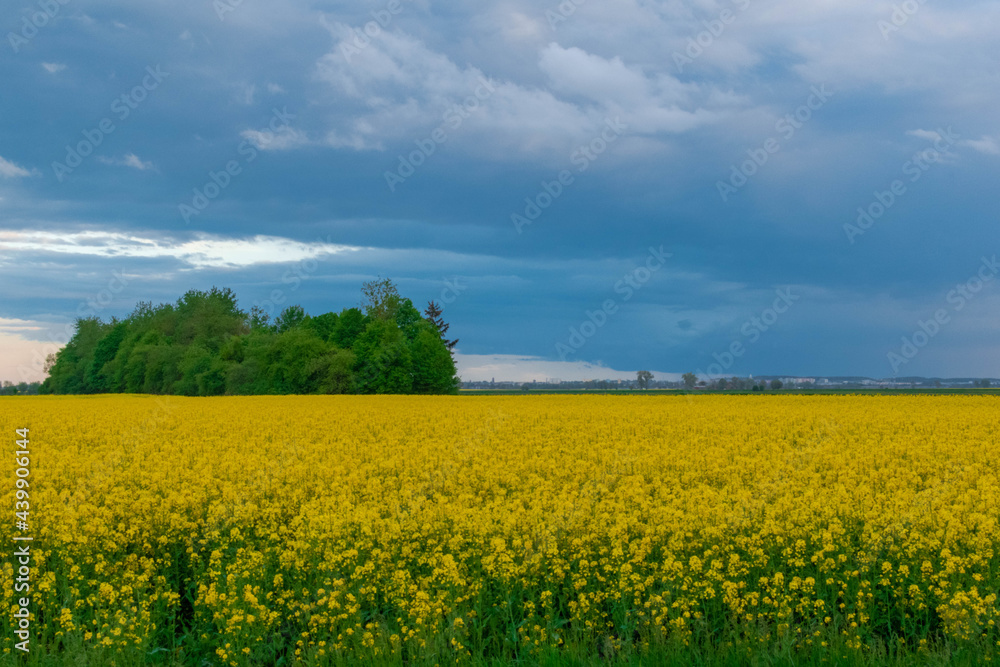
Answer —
433 313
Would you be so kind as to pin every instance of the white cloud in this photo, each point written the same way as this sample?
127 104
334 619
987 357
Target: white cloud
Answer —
52 68
652 103
203 251
574 71
10 170
929 135
841 43
129 160
518 368
8 325
986 145
404 89
267 140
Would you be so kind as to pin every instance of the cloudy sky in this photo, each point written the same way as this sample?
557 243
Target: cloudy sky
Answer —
768 186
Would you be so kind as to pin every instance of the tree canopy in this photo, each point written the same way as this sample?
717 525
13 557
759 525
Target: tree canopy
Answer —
204 345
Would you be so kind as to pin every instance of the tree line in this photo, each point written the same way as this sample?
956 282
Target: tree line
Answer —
8 388
204 345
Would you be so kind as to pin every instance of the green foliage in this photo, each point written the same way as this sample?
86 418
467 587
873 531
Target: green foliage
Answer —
233 349
690 380
333 373
8 388
163 369
290 318
69 374
97 378
385 365
258 320
433 366
208 318
643 378
433 314
408 318
288 360
204 345
196 361
350 324
322 325
380 299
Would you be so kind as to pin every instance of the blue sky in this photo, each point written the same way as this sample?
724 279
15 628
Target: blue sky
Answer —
591 187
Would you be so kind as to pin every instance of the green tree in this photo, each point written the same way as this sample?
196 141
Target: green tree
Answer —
259 320
350 325
248 376
233 349
162 368
288 361
690 380
384 363
408 319
98 379
380 299
196 360
333 373
322 325
290 318
212 381
68 374
433 365
203 344
643 378
433 314
208 318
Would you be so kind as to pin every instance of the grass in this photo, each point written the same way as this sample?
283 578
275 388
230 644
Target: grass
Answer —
72 653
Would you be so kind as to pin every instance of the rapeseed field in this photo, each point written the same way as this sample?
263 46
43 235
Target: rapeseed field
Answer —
411 530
